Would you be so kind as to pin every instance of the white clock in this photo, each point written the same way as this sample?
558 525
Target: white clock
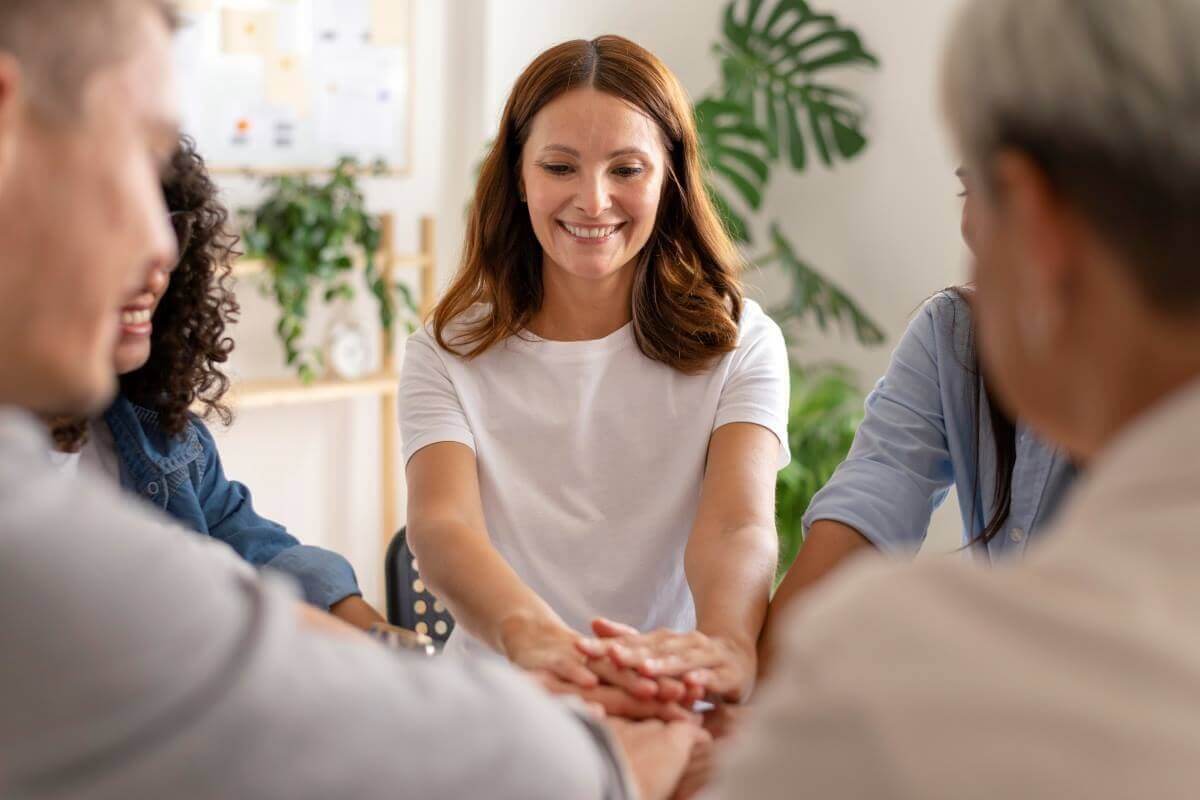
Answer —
347 350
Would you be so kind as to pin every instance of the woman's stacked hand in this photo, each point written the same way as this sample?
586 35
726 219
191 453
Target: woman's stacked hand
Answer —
558 658
712 667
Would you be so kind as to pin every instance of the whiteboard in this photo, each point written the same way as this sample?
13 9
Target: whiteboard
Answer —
292 85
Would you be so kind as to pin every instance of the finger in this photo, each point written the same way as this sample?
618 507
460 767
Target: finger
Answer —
574 672
630 657
637 685
607 629
698 772
671 690
593 648
677 664
619 703
683 739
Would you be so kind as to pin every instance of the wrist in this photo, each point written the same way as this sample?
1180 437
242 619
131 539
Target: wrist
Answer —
513 629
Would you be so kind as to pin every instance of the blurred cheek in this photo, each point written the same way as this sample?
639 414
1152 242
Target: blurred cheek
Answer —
967 225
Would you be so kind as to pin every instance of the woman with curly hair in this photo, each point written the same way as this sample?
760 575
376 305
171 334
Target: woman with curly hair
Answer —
169 355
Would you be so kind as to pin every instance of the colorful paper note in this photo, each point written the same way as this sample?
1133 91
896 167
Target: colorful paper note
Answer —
389 23
287 84
251 32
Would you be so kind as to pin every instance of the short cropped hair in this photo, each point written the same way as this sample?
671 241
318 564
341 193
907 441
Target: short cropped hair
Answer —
1104 96
61 43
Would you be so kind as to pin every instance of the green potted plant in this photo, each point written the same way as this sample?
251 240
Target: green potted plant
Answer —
311 235
825 411
778 109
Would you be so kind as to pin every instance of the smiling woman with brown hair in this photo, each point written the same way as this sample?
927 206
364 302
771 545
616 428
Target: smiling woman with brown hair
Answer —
594 418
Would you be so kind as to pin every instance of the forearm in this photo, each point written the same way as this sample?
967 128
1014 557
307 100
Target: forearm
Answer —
730 574
827 545
353 610
484 593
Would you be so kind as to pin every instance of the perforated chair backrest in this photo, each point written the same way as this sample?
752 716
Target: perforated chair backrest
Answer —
410 604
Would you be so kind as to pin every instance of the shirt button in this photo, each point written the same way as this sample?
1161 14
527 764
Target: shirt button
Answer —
152 489
1017 535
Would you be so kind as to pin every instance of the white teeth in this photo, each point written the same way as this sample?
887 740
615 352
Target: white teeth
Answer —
590 233
136 317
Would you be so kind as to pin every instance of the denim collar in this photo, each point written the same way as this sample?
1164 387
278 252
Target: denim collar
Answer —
145 451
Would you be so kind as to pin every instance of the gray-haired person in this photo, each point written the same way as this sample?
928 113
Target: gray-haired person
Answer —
1076 672
135 663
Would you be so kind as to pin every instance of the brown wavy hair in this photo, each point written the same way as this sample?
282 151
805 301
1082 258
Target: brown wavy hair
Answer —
687 298
188 345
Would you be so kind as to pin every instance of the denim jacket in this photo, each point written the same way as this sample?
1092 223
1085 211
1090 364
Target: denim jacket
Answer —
183 476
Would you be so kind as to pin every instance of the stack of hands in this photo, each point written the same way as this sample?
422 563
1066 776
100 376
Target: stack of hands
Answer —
647 686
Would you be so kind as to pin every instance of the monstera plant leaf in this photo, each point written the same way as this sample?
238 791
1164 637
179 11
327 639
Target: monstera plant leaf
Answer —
772 62
813 295
737 153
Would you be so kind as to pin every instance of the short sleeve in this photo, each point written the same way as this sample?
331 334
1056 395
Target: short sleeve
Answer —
899 468
430 409
758 384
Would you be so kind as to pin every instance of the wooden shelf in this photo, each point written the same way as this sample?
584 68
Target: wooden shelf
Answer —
293 391
253 266
384 385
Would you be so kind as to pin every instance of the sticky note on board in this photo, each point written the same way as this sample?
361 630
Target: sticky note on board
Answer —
244 31
287 83
389 23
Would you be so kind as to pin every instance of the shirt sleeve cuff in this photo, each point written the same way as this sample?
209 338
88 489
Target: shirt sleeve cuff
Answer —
447 434
325 577
763 420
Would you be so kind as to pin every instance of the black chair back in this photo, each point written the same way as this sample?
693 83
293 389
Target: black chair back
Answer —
410 604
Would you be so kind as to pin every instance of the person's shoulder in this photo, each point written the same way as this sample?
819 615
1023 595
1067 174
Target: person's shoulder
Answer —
755 324
454 330
127 420
944 328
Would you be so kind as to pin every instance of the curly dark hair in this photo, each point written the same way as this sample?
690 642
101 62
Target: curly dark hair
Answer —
188 344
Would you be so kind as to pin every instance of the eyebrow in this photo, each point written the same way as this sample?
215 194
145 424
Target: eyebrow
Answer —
571 151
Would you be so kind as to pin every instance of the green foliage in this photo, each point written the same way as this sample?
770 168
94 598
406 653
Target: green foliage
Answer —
825 410
772 63
777 105
774 104
813 295
310 235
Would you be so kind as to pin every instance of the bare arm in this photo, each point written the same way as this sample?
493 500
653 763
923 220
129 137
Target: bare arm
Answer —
447 533
827 545
731 555
730 564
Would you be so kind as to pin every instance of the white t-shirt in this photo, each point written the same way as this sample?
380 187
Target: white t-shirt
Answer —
98 456
591 456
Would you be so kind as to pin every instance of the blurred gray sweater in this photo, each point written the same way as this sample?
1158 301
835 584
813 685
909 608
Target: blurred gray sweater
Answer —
137 662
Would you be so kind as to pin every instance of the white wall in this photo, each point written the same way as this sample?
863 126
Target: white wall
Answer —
316 468
884 226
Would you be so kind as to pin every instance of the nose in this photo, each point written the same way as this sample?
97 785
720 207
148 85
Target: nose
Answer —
156 284
161 256
593 197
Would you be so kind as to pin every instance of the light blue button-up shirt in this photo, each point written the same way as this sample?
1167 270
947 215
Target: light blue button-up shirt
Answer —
920 436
